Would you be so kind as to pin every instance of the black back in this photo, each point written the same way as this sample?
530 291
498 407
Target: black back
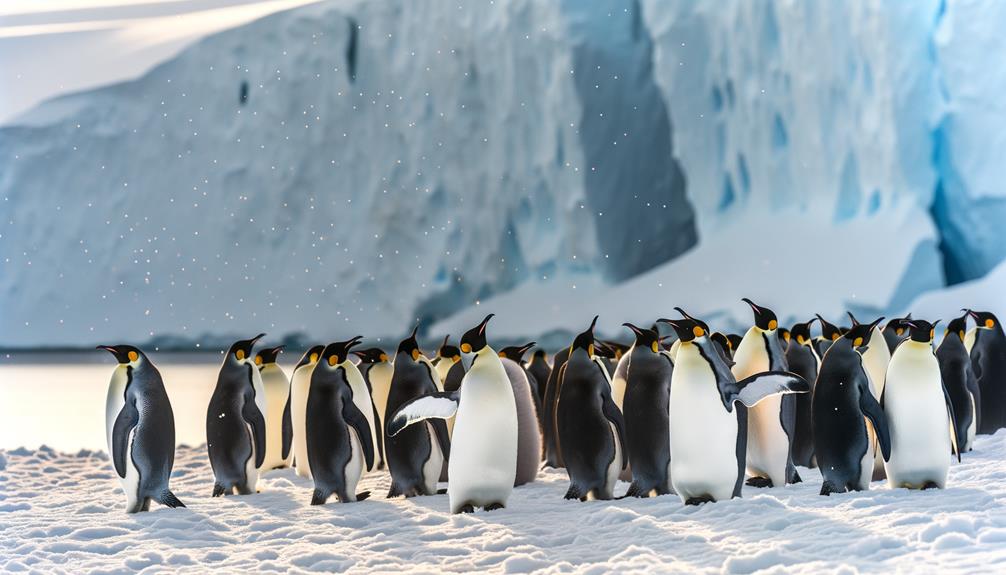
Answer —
231 410
647 424
960 382
552 456
988 359
538 367
802 361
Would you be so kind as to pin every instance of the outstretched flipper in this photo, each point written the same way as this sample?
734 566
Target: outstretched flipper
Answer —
253 417
124 424
287 428
955 448
355 418
872 410
613 415
752 390
441 405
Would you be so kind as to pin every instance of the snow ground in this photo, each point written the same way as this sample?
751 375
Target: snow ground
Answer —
63 513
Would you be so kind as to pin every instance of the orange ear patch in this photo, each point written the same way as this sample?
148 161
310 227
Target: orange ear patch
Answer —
133 356
240 354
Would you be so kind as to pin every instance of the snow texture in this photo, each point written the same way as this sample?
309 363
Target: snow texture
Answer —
63 513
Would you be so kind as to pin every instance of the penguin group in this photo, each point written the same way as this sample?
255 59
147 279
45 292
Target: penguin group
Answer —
690 411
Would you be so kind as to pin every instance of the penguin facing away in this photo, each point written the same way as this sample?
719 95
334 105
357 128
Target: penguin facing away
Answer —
708 436
646 413
552 456
447 356
843 405
377 371
339 443
528 423
919 413
516 353
279 429
539 368
300 386
140 428
988 359
590 429
960 381
235 422
415 454
483 462
803 360
895 332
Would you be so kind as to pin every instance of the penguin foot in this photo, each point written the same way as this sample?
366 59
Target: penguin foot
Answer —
467 508
827 489
168 499
363 495
218 490
493 506
442 491
574 493
699 500
759 482
795 477
318 498
930 485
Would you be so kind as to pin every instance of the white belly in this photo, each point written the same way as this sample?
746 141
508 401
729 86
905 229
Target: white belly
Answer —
768 445
277 389
355 468
299 389
703 434
970 439
380 385
917 417
433 465
114 401
443 366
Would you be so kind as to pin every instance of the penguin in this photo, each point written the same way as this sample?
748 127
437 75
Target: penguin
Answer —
618 377
784 337
842 405
377 372
483 462
516 354
612 352
725 347
235 422
539 368
140 429
590 431
771 423
735 341
646 413
340 446
528 423
875 360
960 381
552 456
708 415
300 386
829 333
919 413
361 396
895 332
447 356
802 359
278 427
988 359
416 455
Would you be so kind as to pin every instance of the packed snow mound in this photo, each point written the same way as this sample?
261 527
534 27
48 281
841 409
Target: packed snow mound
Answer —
346 167
59 508
986 294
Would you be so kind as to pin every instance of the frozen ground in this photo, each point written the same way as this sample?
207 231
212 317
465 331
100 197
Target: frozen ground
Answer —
62 513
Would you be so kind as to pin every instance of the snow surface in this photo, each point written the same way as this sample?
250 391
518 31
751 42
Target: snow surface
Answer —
63 513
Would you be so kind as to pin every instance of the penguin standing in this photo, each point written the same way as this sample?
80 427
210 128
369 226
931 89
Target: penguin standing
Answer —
235 422
300 387
802 359
919 413
278 427
140 428
377 372
843 403
552 456
447 356
646 412
618 377
515 353
339 443
876 358
483 461
528 423
590 429
361 395
894 332
988 359
539 368
416 455
771 423
708 415
829 333
960 381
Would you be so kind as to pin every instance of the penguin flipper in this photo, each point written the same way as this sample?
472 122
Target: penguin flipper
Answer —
355 418
441 405
873 411
254 418
613 415
287 428
124 423
752 390
443 437
955 447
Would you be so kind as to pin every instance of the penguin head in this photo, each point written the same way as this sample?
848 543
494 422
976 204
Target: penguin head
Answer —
474 340
338 352
765 318
646 338
371 355
724 342
516 352
688 329
859 334
124 354
268 355
241 350
829 331
312 355
898 325
784 335
983 319
617 349
801 332
701 323
410 346
604 349
735 340
921 330
957 326
449 351
539 354
585 340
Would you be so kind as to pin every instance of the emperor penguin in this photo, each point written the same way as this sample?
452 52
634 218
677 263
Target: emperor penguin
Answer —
988 358
447 356
300 387
516 354
361 395
539 368
708 415
140 429
829 333
340 446
552 456
590 429
483 461
726 348
960 381
843 403
646 412
875 360
528 423
278 425
803 360
618 377
895 332
919 413
235 422
416 455
771 423
377 371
